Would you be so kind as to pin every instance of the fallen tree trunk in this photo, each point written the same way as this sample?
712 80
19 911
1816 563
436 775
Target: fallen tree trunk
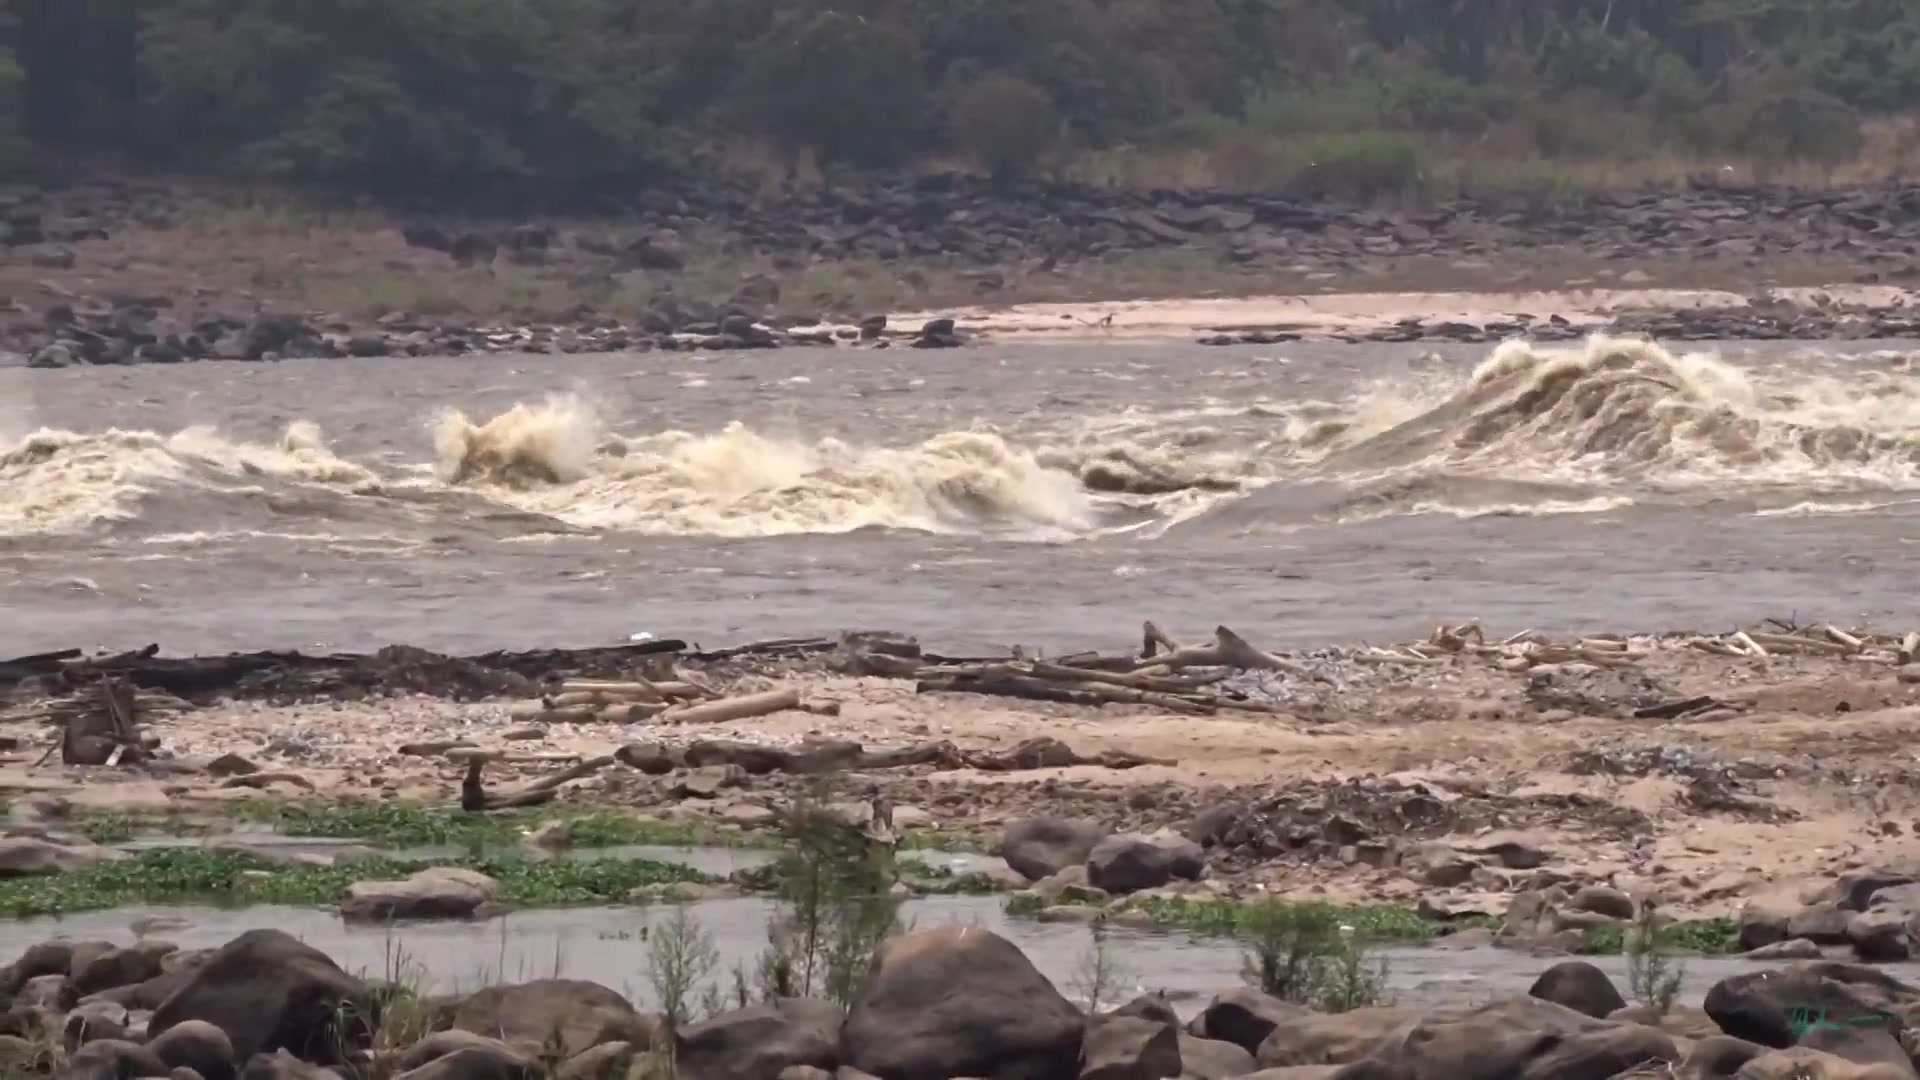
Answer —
743 707
475 798
1228 650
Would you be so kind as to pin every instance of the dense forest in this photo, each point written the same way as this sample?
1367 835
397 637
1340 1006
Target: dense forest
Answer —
576 97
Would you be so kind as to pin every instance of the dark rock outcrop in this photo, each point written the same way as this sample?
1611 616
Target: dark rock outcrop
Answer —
959 1001
268 991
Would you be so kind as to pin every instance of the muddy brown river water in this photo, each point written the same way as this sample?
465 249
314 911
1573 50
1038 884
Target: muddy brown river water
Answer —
607 946
1048 494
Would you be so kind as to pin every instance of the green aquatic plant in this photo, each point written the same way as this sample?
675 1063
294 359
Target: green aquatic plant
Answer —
1652 974
194 875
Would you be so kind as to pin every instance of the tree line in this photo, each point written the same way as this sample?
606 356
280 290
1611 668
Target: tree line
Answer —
576 97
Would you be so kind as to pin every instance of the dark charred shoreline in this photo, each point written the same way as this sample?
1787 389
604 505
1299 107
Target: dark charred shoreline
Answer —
716 266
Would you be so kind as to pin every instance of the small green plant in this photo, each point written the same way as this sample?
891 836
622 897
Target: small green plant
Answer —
680 958
1303 953
392 1015
835 903
1102 971
1652 974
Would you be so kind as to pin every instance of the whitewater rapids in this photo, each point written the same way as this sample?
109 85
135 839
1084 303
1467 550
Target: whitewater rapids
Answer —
1527 431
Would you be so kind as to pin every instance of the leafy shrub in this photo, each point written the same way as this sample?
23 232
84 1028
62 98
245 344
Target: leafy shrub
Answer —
1006 123
1362 166
1803 126
1303 954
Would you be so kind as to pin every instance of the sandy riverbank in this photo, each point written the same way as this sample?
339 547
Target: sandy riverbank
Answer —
1705 777
1362 313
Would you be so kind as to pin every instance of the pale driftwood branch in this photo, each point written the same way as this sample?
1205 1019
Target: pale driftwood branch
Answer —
1228 650
1153 639
743 707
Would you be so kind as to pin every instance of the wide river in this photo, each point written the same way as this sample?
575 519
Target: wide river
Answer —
1047 495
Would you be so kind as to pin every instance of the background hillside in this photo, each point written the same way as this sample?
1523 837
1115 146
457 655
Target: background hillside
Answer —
570 100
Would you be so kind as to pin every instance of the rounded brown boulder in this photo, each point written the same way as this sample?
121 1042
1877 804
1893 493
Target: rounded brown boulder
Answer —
959 1001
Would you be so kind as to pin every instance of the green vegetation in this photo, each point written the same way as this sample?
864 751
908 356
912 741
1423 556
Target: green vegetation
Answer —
834 903
1305 954
1376 923
1652 974
1103 973
181 876
574 100
1236 918
1697 936
407 825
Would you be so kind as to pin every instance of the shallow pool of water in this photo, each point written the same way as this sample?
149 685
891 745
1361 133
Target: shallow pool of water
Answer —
609 945
714 860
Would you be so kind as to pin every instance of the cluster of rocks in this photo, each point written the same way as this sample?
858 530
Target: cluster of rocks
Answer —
985 231
146 331
992 223
1769 321
937 1004
1872 913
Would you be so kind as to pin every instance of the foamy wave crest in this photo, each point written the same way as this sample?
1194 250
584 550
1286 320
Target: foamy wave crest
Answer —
1625 408
53 481
556 460
526 446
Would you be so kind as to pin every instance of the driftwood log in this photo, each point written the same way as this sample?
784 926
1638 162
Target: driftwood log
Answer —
475 798
828 756
1166 675
100 725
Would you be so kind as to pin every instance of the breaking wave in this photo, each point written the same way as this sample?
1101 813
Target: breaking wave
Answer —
1627 409
1581 430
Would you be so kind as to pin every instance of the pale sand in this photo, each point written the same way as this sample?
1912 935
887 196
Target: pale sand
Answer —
1335 312
1834 735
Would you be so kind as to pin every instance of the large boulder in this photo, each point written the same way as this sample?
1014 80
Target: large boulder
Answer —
1127 864
1043 846
1762 1007
1212 1059
120 967
196 1045
1331 1038
112 1059
959 1001
46 958
27 856
1579 986
434 893
1860 1045
1803 1063
1245 1017
1129 1048
442 1044
568 1014
267 990
608 1061
1719 1055
1513 1039
476 1063
760 1040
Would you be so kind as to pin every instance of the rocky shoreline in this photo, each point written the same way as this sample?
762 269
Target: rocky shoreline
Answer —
99 273
936 1003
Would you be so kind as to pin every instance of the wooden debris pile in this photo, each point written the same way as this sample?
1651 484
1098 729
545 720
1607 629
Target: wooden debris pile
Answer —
101 723
654 692
1166 675
1529 649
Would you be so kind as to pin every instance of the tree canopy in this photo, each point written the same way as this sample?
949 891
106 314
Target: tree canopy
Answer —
449 97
